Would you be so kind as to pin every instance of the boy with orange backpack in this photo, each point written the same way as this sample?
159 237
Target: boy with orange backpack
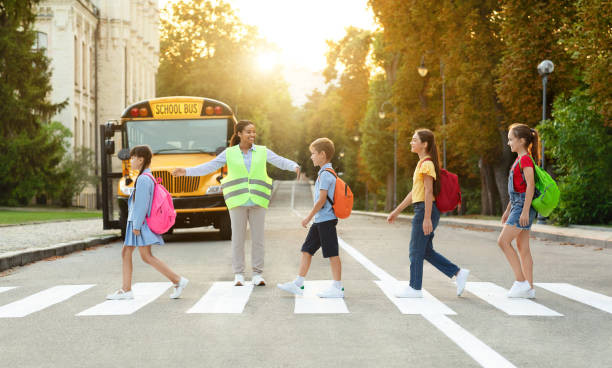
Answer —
322 233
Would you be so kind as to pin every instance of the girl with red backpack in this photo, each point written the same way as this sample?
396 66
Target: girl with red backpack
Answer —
426 187
137 233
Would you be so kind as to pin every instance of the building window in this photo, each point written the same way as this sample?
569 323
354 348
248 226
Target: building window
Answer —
92 67
75 133
40 42
83 135
76 62
84 65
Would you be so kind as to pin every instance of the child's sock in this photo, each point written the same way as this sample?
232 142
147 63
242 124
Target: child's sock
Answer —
337 284
299 281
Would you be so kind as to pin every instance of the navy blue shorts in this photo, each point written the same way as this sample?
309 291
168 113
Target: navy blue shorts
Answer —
322 235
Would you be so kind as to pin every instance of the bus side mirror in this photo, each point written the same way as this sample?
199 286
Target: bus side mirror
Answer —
109 130
124 154
109 146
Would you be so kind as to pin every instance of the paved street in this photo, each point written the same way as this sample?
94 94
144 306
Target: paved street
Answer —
53 313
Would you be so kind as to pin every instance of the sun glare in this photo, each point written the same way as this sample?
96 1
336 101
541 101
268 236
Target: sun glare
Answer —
267 61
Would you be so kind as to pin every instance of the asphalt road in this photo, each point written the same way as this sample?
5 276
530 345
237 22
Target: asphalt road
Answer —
267 328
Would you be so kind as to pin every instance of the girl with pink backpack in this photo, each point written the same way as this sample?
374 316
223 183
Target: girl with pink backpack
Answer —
138 234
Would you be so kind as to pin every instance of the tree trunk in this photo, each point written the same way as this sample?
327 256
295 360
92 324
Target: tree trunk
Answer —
488 188
375 198
501 169
389 198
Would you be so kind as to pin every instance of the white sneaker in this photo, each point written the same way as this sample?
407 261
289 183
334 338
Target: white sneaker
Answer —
531 294
331 292
120 295
292 288
258 280
178 288
408 292
519 289
461 279
238 280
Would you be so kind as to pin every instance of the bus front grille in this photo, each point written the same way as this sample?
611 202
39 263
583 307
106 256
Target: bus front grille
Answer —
178 184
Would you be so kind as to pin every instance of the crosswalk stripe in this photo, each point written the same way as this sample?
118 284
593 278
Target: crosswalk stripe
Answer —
427 304
497 297
6 288
41 300
223 297
475 348
144 293
311 303
595 300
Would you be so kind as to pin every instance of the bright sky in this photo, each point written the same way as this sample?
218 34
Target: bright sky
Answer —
300 28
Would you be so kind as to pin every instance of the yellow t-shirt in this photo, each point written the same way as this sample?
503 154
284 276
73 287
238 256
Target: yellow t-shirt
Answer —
418 183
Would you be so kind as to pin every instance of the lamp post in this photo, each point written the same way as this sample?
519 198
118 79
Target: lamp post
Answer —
423 72
382 114
544 69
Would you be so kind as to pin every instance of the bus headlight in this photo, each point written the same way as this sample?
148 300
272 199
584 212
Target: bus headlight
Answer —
215 189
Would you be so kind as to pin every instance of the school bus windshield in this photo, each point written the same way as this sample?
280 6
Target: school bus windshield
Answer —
179 136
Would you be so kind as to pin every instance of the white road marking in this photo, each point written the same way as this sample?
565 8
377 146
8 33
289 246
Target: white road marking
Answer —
496 296
595 300
6 288
41 300
144 293
427 304
311 303
478 350
223 297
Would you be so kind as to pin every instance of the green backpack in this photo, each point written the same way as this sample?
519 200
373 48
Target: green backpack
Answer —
548 198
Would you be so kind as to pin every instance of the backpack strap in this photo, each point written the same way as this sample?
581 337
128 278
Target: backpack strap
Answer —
334 174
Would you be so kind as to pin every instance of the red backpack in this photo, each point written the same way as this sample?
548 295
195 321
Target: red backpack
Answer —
450 193
343 198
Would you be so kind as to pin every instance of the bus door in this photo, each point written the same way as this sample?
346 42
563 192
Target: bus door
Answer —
111 172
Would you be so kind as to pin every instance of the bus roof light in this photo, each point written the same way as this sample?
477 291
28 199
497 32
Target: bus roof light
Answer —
209 110
143 112
134 112
218 110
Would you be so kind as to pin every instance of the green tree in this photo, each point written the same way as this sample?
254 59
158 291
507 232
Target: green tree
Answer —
582 148
30 148
207 51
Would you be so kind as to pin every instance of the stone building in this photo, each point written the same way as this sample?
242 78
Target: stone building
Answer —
104 56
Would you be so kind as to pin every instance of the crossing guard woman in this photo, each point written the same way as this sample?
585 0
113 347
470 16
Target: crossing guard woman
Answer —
246 189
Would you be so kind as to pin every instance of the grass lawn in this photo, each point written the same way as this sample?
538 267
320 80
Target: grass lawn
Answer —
20 216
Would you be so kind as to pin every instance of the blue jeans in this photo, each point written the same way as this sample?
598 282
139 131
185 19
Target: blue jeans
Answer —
421 247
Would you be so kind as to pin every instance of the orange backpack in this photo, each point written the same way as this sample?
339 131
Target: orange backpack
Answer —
343 198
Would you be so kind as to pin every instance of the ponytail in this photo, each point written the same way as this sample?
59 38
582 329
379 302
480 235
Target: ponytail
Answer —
239 127
534 150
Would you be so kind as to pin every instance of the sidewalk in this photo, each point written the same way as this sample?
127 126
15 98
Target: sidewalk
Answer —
23 244
586 235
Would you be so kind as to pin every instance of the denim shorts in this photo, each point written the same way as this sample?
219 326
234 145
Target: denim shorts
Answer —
516 208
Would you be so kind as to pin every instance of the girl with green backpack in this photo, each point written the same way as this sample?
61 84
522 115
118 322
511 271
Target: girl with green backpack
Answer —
519 214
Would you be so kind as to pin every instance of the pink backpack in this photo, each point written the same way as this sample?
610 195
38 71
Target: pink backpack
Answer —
162 209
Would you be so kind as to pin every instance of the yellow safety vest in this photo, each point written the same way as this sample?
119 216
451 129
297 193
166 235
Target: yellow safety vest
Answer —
240 185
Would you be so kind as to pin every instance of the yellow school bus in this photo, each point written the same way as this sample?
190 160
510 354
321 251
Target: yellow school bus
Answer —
182 132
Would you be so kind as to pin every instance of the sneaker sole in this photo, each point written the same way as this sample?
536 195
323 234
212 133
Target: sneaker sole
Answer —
290 291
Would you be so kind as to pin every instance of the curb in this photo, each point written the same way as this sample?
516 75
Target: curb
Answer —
540 234
29 256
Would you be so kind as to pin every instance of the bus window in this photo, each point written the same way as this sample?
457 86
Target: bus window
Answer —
179 136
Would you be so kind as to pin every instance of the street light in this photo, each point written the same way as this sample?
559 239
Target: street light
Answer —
423 72
544 69
382 114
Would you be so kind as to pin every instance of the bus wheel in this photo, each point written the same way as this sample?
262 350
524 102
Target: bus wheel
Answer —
225 227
